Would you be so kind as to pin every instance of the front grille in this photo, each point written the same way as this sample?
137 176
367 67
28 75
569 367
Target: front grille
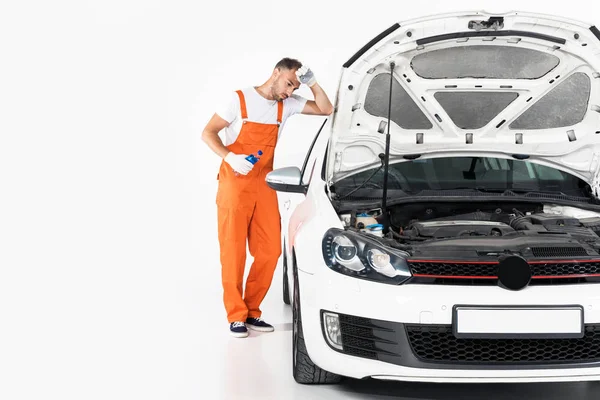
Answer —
438 344
559 251
440 268
486 273
564 269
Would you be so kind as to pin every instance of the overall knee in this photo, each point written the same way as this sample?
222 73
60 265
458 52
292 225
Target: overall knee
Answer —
272 254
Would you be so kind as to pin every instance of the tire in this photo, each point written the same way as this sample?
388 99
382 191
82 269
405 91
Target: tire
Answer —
286 282
304 370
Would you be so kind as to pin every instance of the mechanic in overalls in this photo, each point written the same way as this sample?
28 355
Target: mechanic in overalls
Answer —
247 209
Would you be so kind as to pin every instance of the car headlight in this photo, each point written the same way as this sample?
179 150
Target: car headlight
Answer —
345 253
359 256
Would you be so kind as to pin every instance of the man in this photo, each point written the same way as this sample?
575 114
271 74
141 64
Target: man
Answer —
247 209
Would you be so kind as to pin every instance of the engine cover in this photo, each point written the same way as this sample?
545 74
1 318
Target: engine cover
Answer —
449 228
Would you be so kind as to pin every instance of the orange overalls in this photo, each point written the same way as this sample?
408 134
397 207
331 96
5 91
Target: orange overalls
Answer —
248 209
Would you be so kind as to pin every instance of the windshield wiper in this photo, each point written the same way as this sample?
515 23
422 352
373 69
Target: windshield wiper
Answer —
504 191
362 184
489 189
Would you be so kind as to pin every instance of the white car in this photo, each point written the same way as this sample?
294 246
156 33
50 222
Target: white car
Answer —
447 218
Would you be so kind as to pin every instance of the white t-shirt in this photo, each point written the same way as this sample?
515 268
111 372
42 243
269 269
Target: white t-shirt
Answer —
259 110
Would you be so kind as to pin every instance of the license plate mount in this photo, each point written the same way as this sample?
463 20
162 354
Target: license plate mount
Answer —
518 322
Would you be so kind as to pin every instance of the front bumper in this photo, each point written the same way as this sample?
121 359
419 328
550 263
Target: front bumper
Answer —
404 332
434 346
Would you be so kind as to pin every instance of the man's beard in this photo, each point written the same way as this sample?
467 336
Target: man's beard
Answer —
274 94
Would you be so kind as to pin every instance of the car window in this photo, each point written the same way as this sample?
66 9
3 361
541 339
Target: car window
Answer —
309 172
311 157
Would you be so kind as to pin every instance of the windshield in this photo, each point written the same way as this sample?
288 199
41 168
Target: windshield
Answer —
451 173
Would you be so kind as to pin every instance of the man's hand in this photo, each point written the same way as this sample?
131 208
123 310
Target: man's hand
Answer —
239 163
306 76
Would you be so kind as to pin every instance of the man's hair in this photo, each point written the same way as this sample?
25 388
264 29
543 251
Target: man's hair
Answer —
288 63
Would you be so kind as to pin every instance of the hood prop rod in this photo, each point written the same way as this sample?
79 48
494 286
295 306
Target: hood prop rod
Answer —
386 155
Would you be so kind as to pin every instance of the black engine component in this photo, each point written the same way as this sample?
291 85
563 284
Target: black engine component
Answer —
592 223
553 223
492 221
553 219
458 228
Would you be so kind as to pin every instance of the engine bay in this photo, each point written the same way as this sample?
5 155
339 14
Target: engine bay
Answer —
494 226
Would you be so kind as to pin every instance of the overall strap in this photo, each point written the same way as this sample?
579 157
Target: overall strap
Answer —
242 104
279 112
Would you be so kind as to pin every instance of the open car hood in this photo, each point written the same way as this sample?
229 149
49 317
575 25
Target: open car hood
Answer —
511 85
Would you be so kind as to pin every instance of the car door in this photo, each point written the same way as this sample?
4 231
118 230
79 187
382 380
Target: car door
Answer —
289 201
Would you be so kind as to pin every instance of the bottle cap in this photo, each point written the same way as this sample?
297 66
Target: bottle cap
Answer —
375 227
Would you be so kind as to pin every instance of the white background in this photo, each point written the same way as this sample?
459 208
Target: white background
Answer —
109 273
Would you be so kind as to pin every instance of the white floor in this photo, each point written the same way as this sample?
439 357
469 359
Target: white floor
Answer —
153 327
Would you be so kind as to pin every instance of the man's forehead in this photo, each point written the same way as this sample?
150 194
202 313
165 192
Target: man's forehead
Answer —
291 75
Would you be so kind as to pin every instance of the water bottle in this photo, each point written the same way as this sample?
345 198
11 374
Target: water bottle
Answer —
253 159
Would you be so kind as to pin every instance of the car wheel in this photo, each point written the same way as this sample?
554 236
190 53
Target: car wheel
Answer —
286 284
305 371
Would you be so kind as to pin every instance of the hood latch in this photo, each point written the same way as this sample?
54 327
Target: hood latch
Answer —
493 23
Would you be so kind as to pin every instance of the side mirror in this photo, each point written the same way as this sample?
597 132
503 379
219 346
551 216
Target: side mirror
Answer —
288 179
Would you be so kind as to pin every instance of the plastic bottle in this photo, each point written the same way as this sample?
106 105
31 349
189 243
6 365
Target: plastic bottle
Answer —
253 159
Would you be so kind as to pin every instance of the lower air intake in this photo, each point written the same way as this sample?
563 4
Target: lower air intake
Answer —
438 344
